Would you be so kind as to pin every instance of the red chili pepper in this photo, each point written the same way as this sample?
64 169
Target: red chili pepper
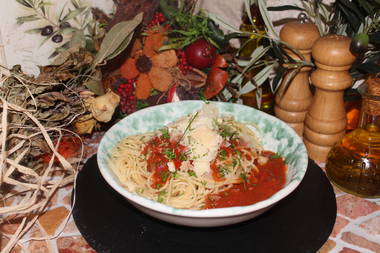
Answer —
216 78
68 147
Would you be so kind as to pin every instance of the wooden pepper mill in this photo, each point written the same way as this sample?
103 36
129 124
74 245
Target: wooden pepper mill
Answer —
292 102
326 119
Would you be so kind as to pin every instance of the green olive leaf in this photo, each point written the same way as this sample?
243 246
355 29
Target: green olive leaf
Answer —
33 31
267 20
25 3
73 13
116 39
23 19
258 80
219 21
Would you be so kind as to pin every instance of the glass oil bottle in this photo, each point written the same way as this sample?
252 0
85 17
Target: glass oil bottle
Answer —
248 46
353 165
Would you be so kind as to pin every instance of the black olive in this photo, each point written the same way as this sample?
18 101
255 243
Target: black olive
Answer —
64 25
359 44
47 30
57 38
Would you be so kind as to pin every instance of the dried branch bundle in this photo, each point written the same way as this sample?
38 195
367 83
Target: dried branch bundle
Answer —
34 119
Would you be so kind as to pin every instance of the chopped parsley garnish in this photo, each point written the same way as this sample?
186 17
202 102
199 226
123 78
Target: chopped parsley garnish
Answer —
227 132
192 173
275 156
236 162
170 154
182 157
244 177
222 154
223 171
160 196
165 133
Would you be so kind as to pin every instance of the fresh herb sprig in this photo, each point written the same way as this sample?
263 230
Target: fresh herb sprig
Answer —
188 26
188 127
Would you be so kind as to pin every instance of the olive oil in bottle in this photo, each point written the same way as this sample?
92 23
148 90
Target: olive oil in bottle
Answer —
353 165
248 46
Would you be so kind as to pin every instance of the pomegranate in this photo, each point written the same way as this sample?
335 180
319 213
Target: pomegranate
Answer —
200 54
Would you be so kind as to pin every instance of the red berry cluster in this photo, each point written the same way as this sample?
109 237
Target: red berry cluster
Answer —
182 62
157 19
127 97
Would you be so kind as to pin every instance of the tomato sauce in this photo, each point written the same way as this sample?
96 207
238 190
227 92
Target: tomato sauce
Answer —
259 186
159 151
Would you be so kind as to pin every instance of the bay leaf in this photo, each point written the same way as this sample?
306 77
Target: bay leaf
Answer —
115 38
121 47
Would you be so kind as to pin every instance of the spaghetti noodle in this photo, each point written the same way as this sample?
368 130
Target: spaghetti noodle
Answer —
189 162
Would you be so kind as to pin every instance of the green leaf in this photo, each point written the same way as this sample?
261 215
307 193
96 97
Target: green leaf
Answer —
75 4
367 6
25 3
263 75
58 52
61 12
95 83
368 67
47 38
33 31
352 15
29 18
276 80
238 79
68 30
121 48
285 8
288 78
115 38
276 50
257 54
375 38
258 80
247 7
267 20
73 14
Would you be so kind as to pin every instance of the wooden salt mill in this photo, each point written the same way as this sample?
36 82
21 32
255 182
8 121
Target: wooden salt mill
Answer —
326 119
293 101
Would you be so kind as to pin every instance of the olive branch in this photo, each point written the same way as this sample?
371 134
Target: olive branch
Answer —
74 25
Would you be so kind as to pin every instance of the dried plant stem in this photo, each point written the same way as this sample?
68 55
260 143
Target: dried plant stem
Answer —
32 191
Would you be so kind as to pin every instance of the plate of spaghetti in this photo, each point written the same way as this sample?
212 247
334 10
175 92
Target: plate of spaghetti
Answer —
201 163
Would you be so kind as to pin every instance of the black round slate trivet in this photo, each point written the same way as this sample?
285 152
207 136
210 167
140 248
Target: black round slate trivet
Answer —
302 222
